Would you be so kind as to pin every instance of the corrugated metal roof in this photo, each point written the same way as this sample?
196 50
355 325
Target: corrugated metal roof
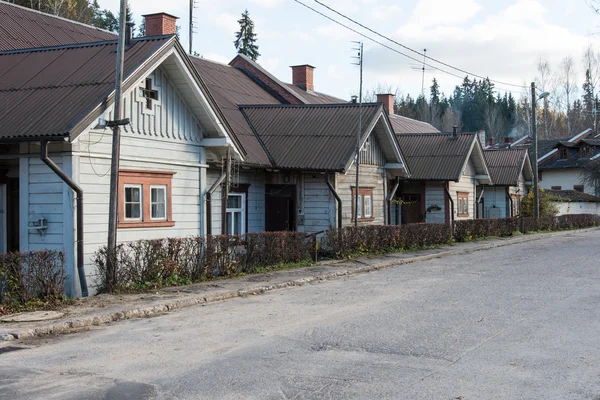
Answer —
570 196
310 137
403 125
231 87
505 165
436 156
22 28
45 92
312 97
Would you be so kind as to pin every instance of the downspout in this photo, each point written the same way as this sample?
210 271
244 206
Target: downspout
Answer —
79 192
479 202
510 201
337 198
390 199
451 204
209 203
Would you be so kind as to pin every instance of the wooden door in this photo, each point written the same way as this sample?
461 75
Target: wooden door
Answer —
278 214
411 209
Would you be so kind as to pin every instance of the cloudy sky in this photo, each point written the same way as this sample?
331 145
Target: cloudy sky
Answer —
502 39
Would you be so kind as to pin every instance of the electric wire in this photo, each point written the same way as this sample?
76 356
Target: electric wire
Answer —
398 51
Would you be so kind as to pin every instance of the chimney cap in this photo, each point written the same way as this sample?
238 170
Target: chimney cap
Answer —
302 65
160 13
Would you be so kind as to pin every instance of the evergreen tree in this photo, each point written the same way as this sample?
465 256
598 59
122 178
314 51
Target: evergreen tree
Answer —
106 19
245 39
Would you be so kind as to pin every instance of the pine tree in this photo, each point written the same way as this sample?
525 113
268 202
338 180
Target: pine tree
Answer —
245 39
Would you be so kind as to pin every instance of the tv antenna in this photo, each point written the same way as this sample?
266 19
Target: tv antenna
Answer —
423 68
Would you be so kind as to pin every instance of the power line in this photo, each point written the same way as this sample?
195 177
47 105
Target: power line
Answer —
391 48
413 50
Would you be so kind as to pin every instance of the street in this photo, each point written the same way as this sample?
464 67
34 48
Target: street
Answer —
516 322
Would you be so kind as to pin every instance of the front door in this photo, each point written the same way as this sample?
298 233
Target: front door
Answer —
411 209
280 204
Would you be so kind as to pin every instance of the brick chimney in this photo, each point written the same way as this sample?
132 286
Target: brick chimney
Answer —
302 75
491 142
160 24
509 140
388 101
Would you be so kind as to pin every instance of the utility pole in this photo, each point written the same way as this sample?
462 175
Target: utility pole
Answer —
116 150
359 132
536 184
191 24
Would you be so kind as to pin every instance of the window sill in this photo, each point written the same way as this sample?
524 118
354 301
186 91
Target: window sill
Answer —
462 215
365 219
145 224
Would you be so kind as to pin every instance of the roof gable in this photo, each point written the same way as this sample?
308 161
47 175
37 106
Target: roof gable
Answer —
317 137
506 165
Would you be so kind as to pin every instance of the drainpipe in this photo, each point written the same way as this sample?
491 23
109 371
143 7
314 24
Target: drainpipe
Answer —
510 201
451 204
479 202
389 200
77 189
337 198
209 202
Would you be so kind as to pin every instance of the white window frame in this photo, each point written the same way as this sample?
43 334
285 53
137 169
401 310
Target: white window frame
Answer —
359 209
165 188
141 189
370 202
241 210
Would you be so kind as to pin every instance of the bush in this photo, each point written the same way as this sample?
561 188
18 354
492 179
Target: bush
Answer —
466 230
548 206
145 264
31 277
563 222
379 238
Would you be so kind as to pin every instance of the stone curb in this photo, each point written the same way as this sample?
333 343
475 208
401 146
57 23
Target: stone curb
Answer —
150 311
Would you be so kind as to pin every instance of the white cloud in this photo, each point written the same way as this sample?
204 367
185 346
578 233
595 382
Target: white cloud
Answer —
267 3
227 22
385 12
217 57
446 12
269 63
334 32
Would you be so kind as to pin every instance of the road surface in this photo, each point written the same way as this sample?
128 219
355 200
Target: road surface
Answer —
516 322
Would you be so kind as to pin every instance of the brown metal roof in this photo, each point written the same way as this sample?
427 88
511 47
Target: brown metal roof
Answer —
310 137
436 156
311 97
402 125
22 28
570 196
505 165
231 87
46 92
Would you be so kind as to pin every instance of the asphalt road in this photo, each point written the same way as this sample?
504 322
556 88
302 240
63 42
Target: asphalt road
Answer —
517 322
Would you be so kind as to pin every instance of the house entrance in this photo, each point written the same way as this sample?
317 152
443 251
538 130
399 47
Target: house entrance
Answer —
9 215
280 206
411 208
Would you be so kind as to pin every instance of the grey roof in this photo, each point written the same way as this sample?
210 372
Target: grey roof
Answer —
506 165
310 137
402 125
22 28
571 196
436 156
47 92
230 87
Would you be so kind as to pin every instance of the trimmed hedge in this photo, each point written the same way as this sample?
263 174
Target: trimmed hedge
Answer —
31 277
174 261
377 238
479 228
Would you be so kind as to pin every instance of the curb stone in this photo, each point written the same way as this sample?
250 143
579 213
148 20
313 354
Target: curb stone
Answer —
61 327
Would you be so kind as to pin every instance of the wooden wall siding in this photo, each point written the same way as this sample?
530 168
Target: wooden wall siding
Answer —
494 199
466 184
435 195
256 199
171 118
370 176
372 154
319 204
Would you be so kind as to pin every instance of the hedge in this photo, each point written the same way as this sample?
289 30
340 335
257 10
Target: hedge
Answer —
31 277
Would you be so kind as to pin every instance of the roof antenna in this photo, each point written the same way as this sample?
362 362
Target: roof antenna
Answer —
423 69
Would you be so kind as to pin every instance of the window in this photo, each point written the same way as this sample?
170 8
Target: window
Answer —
133 202
463 204
563 153
148 93
555 187
579 188
365 204
145 199
586 151
158 202
235 214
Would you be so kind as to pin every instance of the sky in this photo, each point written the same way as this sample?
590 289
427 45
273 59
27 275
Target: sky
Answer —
501 39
